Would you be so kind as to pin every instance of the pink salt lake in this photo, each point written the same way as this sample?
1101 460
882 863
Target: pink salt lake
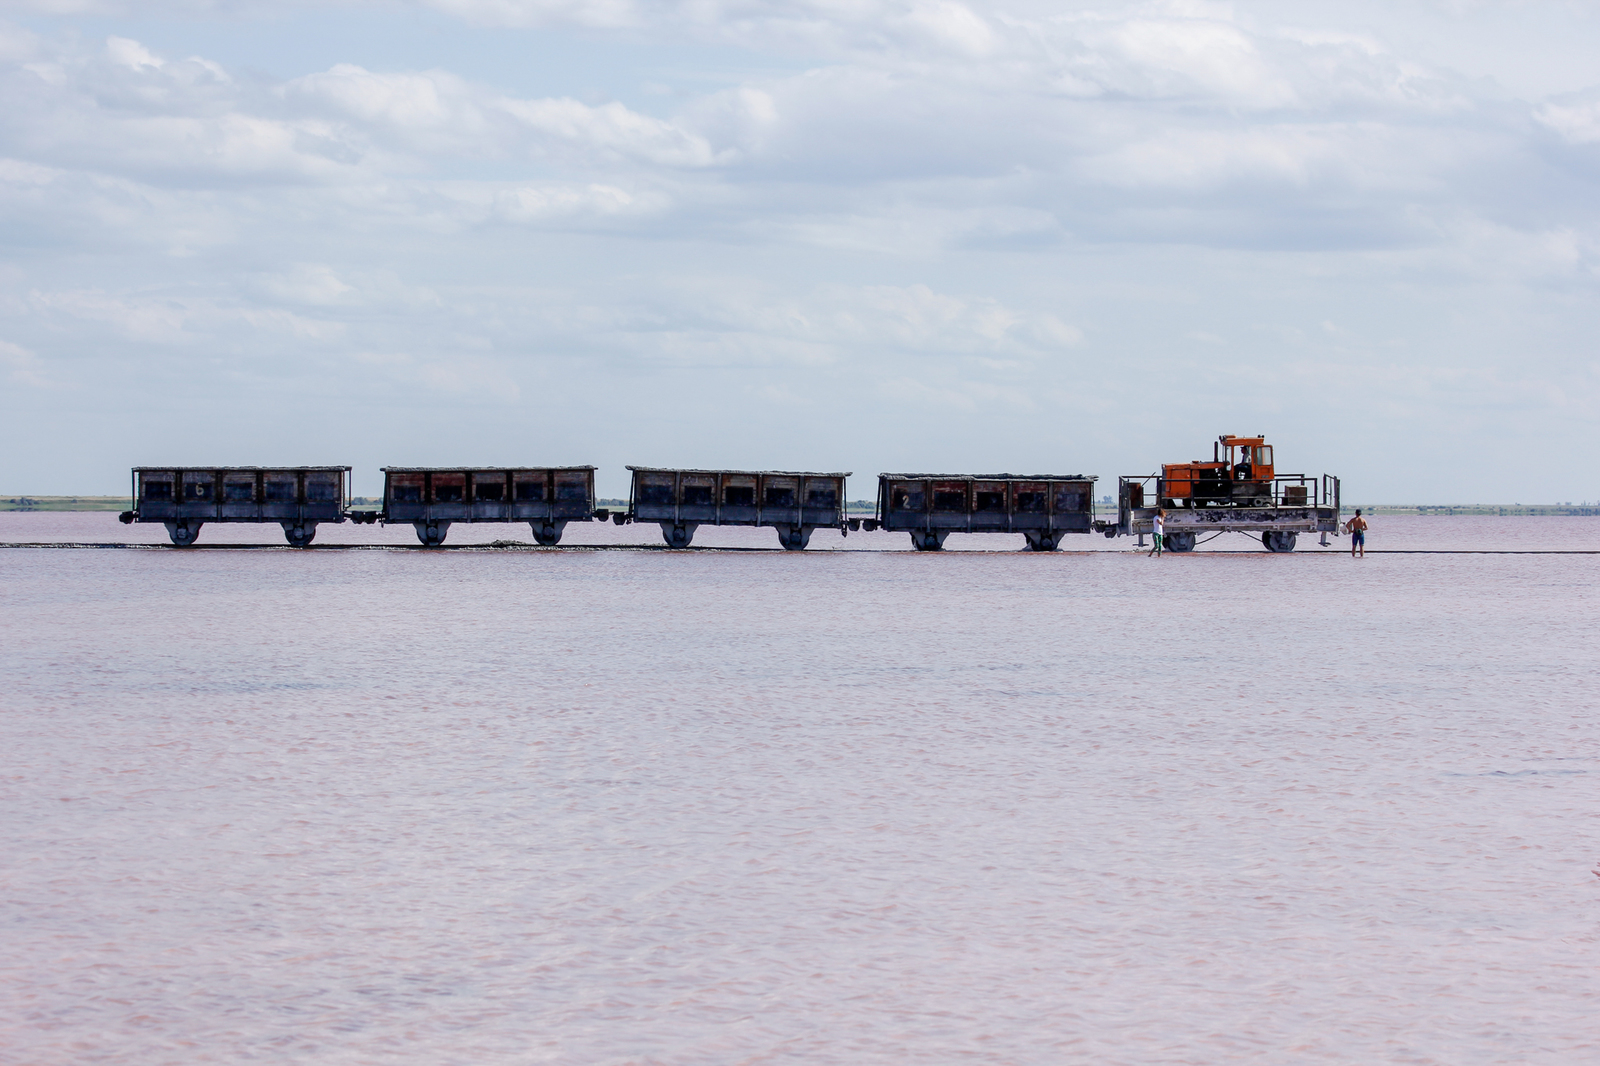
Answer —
710 807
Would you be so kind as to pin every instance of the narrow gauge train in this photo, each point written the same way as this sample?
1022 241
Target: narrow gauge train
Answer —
929 507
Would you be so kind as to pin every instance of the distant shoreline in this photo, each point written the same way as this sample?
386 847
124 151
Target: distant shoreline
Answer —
1585 510
1535 510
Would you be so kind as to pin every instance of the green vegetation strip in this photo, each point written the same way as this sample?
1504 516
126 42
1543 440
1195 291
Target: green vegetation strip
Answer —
1535 510
65 503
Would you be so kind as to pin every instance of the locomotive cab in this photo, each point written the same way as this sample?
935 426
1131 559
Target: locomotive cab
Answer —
1253 460
1239 474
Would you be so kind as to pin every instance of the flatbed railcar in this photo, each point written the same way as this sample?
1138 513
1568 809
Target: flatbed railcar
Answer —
1237 491
794 502
187 498
1288 506
432 499
1042 507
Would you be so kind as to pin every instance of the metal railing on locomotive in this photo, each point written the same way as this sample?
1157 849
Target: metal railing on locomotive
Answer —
794 502
187 498
1278 509
432 499
1042 507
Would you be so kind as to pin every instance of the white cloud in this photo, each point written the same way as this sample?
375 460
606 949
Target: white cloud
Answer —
903 144
1187 57
432 100
615 129
890 217
1333 117
1475 248
309 283
599 14
23 367
1576 119
1211 159
435 111
463 376
17 172
130 113
131 54
161 321
531 203
173 320
919 394
953 26
16 44
832 324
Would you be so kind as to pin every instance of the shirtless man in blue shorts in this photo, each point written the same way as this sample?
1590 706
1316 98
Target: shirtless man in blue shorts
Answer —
1357 528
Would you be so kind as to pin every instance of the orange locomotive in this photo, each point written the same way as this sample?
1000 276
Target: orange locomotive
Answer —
1238 491
1239 474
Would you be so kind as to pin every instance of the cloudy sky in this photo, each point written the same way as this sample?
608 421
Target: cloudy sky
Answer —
826 234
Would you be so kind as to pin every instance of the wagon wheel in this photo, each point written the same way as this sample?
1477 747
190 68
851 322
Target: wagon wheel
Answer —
547 534
677 536
794 538
1042 542
1278 542
183 534
300 536
431 534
